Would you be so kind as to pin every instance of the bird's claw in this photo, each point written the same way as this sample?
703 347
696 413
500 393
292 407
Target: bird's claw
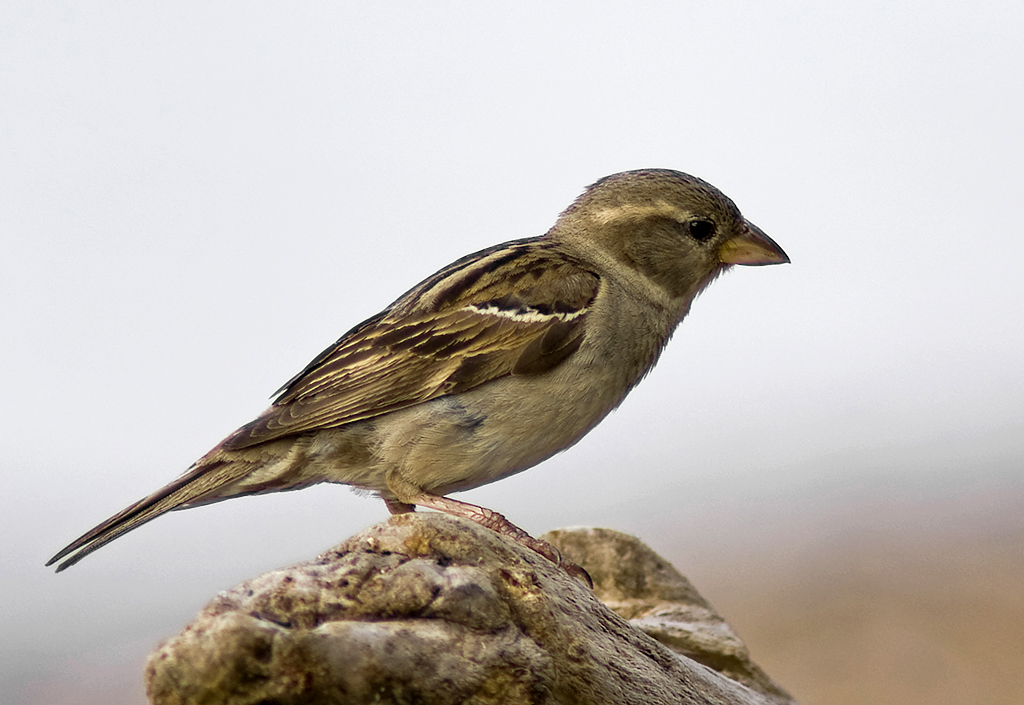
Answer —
555 556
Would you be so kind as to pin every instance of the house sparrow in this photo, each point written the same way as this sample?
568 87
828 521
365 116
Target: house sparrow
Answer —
486 368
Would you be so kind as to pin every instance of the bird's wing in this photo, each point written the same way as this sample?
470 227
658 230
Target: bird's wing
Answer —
515 309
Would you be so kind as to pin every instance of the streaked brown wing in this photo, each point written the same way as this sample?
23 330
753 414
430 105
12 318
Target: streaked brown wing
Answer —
513 309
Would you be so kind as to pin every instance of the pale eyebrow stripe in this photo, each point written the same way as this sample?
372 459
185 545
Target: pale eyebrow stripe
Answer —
658 208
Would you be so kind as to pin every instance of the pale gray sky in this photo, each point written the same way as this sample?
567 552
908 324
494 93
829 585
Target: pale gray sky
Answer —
196 200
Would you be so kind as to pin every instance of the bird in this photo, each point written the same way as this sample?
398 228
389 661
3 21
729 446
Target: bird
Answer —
486 368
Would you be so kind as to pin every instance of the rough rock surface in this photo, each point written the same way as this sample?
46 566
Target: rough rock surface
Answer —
641 586
426 608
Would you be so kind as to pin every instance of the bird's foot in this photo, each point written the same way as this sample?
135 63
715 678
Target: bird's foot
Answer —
396 507
495 522
555 556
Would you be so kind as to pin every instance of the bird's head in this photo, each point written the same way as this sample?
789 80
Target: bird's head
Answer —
677 230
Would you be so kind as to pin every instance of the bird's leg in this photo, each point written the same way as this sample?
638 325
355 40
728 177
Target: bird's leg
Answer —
498 523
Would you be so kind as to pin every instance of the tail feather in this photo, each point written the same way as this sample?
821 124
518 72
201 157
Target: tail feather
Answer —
199 485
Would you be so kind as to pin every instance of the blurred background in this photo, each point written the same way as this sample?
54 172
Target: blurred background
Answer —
196 199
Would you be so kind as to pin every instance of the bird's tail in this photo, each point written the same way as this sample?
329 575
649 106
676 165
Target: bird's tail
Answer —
204 482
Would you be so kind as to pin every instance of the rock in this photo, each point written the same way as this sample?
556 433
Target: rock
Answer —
641 586
426 608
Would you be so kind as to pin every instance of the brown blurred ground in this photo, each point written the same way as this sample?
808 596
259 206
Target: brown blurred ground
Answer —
885 602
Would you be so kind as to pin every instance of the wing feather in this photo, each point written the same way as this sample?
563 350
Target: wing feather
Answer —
514 309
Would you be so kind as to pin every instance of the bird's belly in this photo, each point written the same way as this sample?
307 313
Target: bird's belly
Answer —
456 443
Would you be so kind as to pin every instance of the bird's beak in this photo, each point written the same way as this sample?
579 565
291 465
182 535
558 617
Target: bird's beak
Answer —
752 247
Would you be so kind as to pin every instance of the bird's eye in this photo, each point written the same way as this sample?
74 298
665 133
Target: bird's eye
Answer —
700 230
